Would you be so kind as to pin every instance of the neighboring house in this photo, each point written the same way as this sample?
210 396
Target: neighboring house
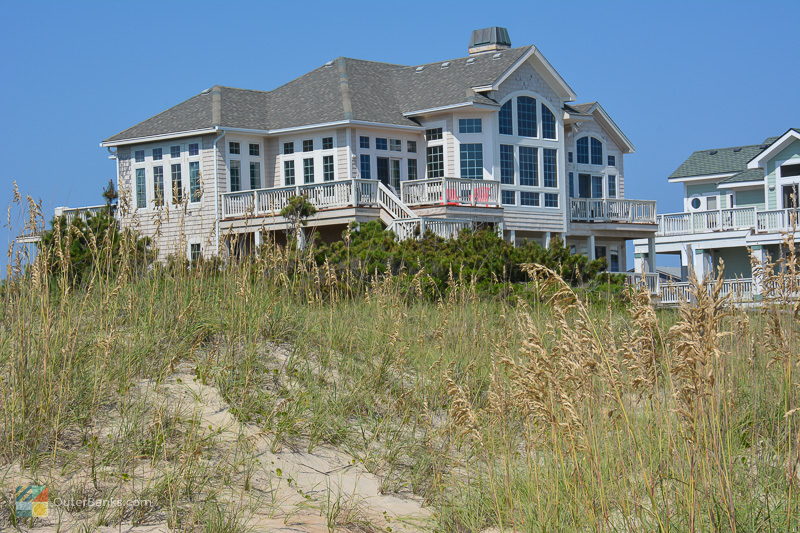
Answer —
487 140
737 201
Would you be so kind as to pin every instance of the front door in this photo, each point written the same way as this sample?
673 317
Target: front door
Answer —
584 186
383 170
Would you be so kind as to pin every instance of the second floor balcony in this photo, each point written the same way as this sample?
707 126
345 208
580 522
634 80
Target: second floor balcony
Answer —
614 210
731 219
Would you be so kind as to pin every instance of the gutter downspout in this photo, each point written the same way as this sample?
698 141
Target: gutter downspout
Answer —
113 155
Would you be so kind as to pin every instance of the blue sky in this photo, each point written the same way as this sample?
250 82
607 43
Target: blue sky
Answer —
676 77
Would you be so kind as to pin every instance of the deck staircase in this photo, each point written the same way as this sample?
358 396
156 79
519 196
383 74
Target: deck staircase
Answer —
400 219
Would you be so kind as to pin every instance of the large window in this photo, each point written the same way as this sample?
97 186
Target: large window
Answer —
177 184
308 145
469 125
381 143
571 179
612 186
194 181
506 119
288 148
412 146
255 175
233 148
327 143
508 197
433 134
288 172
327 168
472 161
435 161
549 171
526 116
138 156
789 171
412 169
141 191
175 151
255 149
158 153
548 123
528 198
158 186
550 199
528 166
308 170
395 145
597 186
363 141
395 173
365 167
507 164
583 150
597 152
194 149
236 175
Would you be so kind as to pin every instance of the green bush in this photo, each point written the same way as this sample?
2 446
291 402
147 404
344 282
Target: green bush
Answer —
78 248
480 255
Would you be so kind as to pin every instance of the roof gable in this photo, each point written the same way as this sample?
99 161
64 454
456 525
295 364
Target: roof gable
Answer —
774 148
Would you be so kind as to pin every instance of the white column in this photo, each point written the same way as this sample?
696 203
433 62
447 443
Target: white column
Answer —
651 254
301 238
639 263
547 239
590 244
702 264
257 239
512 237
760 257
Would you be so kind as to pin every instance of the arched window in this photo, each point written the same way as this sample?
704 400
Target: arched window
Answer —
526 116
583 151
548 123
506 122
597 152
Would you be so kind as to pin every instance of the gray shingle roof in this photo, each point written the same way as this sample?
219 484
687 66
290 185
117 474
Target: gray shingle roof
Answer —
343 89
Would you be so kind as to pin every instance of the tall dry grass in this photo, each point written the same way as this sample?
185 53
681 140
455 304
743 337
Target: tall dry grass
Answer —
545 414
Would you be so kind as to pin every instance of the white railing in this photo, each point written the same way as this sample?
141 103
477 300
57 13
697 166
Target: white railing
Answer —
737 218
675 293
648 279
389 201
738 289
258 202
612 210
71 213
777 220
415 228
451 191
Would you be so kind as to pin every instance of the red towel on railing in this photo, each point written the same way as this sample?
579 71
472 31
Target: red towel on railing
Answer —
482 195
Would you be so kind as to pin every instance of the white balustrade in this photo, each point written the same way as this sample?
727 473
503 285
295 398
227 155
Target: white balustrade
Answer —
451 191
612 210
732 219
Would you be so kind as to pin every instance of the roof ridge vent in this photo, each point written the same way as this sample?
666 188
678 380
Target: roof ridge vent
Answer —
328 64
737 149
470 60
445 64
712 152
420 68
498 55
